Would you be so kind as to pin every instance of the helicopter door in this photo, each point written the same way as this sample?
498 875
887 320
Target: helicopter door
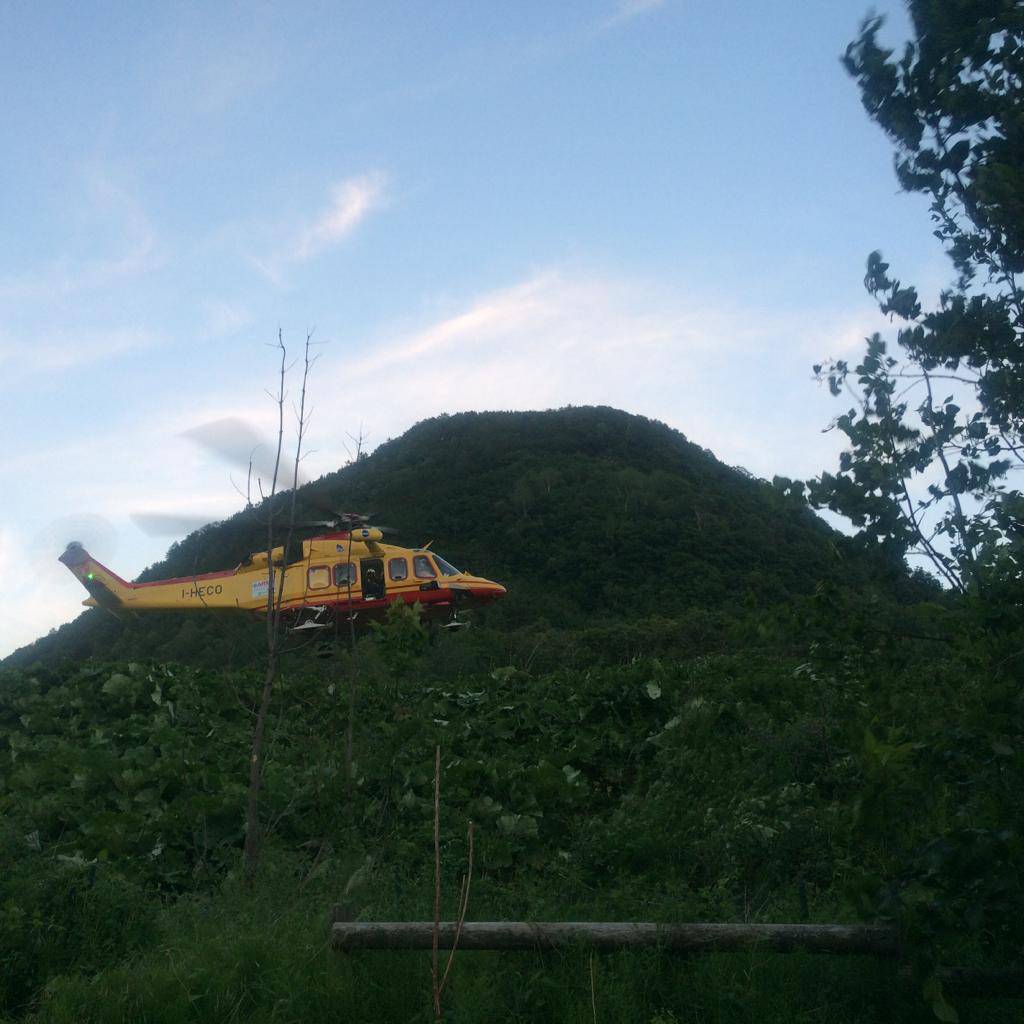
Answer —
373 579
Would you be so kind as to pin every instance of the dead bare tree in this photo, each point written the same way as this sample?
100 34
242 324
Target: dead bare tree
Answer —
439 980
275 597
358 441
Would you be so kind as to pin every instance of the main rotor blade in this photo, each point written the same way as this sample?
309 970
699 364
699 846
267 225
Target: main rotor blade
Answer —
242 445
157 524
325 506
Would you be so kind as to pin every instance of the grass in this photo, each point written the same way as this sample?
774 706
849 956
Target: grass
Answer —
279 979
263 957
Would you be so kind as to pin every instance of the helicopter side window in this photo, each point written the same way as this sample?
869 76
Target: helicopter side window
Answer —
398 569
344 574
423 569
318 577
447 569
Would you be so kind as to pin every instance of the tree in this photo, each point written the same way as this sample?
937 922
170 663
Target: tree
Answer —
936 435
925 474
275 597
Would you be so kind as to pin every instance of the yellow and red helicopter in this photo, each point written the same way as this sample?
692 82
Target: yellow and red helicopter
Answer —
347 572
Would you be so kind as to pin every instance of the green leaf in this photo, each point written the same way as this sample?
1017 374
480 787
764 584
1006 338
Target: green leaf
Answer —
117 685
935 997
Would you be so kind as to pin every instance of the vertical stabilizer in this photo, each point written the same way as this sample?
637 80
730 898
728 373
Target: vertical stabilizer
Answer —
106 588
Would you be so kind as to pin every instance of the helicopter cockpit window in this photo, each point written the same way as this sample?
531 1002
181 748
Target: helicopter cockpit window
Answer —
447 569
398 569
344 574
422 567
319 576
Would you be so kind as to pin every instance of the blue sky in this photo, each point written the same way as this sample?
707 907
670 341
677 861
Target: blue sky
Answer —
663 206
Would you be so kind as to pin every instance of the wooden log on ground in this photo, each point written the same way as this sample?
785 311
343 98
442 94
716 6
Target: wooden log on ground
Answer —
873 940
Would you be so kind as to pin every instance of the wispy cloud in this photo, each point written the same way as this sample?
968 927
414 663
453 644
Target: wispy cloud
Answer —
55 314
109 239
548 316
274 249
206 66
60 349
562 337
627 10
225 78
352 201
224 318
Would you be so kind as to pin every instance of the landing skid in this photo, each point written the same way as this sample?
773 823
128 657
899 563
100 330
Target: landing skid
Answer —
314 618
318 619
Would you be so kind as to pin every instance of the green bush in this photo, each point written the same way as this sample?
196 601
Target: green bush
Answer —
60 915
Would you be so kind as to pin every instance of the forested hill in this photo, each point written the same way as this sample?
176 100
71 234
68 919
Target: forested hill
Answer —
585 513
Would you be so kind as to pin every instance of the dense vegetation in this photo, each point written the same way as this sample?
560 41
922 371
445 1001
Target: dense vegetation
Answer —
873 777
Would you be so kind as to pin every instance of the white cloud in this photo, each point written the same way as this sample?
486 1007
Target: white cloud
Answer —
273 249
561 338
844 336
545 318
352 201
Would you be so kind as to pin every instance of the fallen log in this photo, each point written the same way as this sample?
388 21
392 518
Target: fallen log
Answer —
873 940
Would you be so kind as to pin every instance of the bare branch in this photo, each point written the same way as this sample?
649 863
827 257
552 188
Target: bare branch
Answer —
467 881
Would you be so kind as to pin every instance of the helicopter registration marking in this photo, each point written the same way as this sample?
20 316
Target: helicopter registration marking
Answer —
201 591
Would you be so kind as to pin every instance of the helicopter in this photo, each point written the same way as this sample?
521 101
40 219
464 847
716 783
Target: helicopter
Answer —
346 573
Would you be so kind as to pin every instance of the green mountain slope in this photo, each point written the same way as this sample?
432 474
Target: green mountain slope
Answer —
587 514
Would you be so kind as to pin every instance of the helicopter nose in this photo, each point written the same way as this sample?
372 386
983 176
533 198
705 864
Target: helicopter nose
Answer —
486 592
